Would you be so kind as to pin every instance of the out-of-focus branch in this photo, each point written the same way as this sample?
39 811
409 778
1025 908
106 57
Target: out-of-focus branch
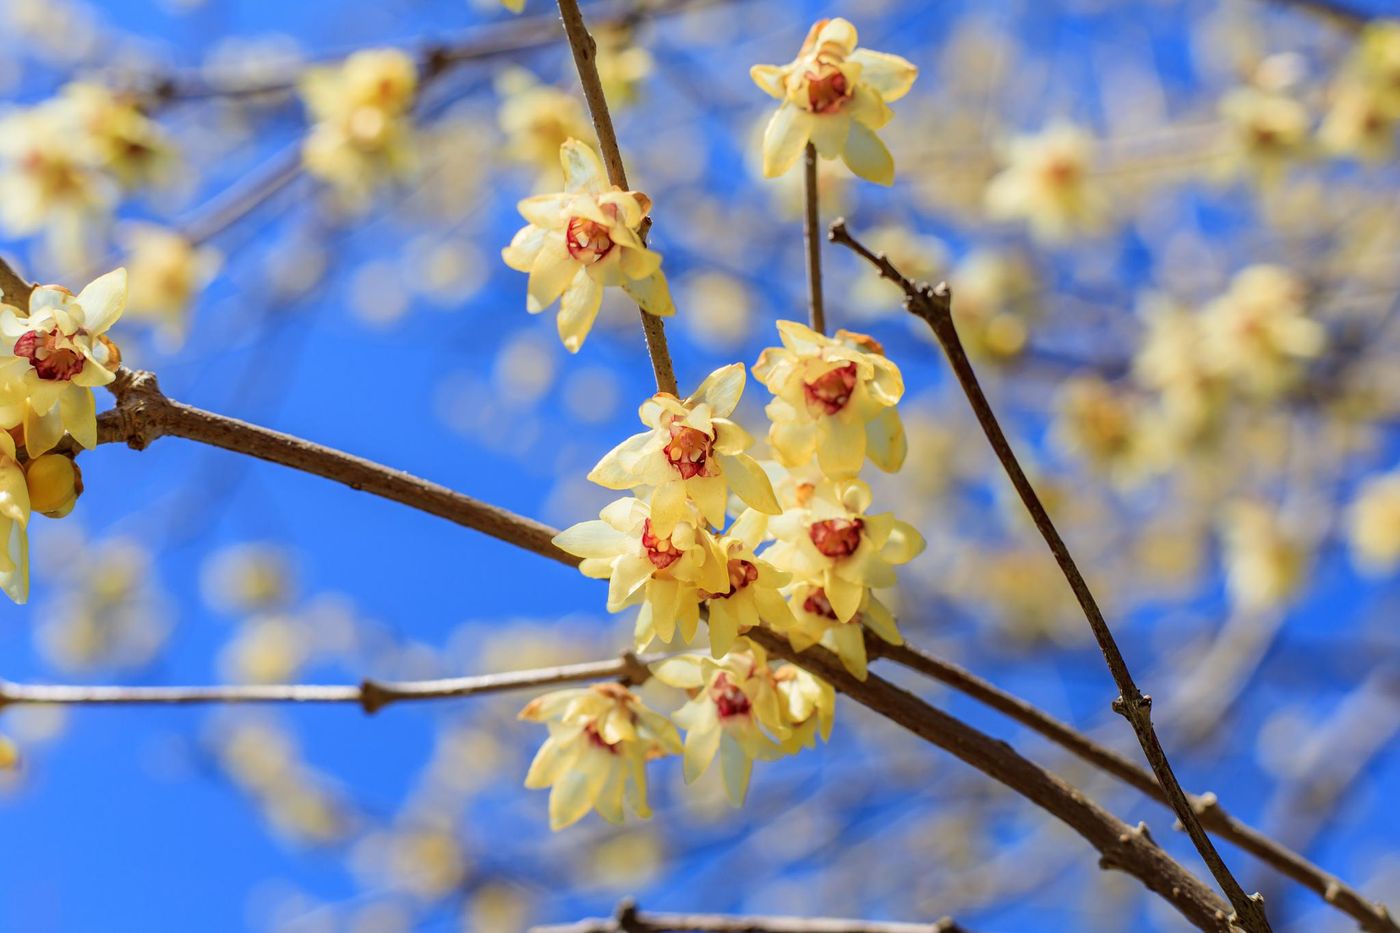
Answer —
934 306
369 695
144 413
629 919
585 59
1289 862
1338 14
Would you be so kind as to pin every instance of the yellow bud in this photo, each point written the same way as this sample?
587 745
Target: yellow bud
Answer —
9 754
55 483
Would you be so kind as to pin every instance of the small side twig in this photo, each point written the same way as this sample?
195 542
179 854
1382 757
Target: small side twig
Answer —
812 233
934 306
628 919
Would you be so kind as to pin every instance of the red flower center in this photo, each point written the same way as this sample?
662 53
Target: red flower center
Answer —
661 552
689 450
817 604
741 574
588 241
827 89
53 354
729 699
832 389
837 537
591 730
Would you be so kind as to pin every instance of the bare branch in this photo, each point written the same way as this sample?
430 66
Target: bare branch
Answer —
628 919
934 305
812 233
585 59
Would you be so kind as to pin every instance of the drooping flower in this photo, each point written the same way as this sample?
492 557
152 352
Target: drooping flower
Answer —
752 597
815 622
59 352
735 711
166 273
14 522
827 539
808 705
1258 333
834 399
362 130
1047 184
692 451
834 96
600 738
1374 524
663 569
583 239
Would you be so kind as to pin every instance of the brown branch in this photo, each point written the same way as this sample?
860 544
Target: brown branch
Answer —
934 305
1369 915
628 919
143 413
812 233
1120 846
370 695
585 54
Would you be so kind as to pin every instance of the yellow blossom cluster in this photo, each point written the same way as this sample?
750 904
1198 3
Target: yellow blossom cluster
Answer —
53 353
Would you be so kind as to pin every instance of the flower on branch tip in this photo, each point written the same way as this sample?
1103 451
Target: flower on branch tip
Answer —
662 567
815 622
57 352
834 399
583 239
692 451
827 539
735 711
834 96
14 522
600 738
360 111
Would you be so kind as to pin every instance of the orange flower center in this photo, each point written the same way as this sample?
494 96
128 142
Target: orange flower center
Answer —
588 241
832 389
729 699
837 537
741 574
591 730
660 551
688 450
1062 173
53 354
827 89
817 604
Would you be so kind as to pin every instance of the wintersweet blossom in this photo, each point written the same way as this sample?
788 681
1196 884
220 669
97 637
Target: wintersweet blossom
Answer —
1374 524
127 143
735 712
664 569
166 272
808 705
537 118
827 539
816 622
600 738
692 451
752 597
1258 333
834 399
360 109
834 96
55 483
14 521
1269 128
58 351
1047 184
1265 558
583 239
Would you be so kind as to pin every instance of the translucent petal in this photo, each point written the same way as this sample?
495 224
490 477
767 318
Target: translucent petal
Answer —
578 309
783 141
867 156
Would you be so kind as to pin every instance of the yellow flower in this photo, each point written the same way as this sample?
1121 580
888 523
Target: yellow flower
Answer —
808 703
1269 127
537 120
581 240
1258 333
815 622
1374 520
1173 362
693 451
663 568
59 353
1047 184
733 701
1099 424
166 271
994 298
1377 60
600 738
360 109
835 398
1265 561
515 6
128 144
752 597
14 520
826 539
622 64
1360 123
55 483
835 96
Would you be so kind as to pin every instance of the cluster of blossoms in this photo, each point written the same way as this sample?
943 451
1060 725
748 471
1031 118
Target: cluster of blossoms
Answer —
801 559
52 355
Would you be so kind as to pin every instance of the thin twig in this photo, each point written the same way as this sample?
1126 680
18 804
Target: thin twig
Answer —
812 232
934 305
585 58
1369 915
628 919
370 695
144 413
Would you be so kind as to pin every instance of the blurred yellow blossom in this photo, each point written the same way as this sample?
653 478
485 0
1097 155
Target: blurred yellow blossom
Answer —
1374 523
1099 424
267 649
14 520
128 144
993 302
360 111
583 239
834 96
1258 333
1265 560
1047 183
1269 129
166 272
538 119
622 64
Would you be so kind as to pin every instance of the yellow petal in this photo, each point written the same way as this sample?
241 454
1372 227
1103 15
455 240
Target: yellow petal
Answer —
867 156
652 294
749 482
770 79
783 141
578 309
552 272
890 75
721 390
583 170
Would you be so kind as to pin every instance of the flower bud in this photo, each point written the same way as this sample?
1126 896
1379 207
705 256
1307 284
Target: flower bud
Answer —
55 483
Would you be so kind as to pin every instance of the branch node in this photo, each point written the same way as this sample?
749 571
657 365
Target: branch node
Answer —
374 696
634 672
